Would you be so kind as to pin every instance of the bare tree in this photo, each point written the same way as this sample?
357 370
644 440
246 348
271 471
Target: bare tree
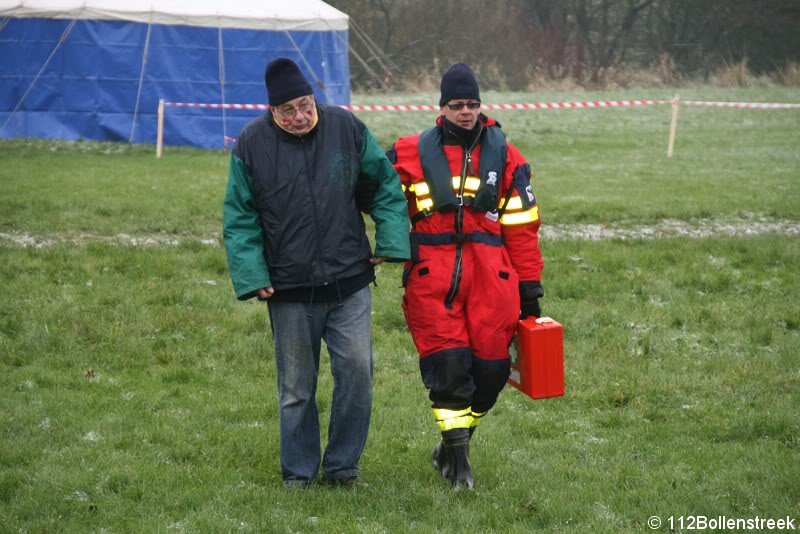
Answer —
506 40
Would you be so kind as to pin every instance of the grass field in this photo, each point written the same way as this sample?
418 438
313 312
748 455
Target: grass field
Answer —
139 396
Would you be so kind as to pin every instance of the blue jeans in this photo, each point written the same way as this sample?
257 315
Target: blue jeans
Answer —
298 329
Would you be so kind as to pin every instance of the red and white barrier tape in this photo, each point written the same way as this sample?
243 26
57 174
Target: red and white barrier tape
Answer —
422 107
506 107
520 106
745 105
511 107
215 106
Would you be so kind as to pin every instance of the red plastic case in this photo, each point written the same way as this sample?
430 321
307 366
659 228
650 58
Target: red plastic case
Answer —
537 358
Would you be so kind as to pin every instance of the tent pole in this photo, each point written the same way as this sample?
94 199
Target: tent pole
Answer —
63 38
376 52
308 66
364 64
141 79
220 46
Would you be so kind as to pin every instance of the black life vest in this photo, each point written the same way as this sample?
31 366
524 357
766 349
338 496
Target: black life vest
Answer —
439 178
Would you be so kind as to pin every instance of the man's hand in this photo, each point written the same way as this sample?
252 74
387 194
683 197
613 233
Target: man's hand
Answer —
530 308
530 291
377 260
265 293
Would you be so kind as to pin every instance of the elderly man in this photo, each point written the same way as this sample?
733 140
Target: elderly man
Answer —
475 264
295 238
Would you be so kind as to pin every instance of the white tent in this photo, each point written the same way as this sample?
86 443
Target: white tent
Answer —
97 68
310 15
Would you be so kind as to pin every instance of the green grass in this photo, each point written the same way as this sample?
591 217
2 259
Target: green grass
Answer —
590 166
610 165
139 396
107 188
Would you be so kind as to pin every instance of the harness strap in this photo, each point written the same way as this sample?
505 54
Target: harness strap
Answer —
418 239
465 201
506 200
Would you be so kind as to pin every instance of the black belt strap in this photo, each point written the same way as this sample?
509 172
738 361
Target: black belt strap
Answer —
484 238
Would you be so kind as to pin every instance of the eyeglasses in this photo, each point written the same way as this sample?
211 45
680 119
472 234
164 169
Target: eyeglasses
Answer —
290 112
458 106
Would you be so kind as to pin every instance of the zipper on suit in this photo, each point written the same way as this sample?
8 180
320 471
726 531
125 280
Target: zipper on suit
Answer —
455 281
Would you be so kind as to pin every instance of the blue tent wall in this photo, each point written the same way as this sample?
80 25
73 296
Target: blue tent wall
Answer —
89 88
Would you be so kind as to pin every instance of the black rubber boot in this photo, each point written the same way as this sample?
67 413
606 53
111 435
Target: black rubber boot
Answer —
458 471
439 459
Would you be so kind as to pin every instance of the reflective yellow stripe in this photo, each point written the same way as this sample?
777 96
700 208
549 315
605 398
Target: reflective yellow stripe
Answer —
472 183
422 192
514 203
424 203
450 419
420 189
521 217
476 418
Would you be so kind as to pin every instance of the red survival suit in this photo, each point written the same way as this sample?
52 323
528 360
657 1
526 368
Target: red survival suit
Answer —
474 239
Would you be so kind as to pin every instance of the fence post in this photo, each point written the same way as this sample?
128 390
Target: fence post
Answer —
673 127
160 133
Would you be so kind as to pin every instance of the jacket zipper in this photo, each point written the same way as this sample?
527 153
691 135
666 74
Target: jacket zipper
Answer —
455 282
315 216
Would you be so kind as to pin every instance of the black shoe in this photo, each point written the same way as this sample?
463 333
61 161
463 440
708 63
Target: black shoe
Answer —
296 484
344 482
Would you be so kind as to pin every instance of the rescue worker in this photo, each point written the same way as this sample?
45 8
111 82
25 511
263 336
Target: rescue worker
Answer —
475 265
294 237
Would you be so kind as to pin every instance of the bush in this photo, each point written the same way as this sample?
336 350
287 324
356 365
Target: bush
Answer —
662 73
738 75
789 75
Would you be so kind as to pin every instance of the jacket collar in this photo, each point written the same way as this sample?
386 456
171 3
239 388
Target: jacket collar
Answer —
453 134
278 128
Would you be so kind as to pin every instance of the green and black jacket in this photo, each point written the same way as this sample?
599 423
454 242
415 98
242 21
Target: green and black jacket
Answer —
290 219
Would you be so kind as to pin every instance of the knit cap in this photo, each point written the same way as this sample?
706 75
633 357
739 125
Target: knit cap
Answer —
459 82
284 81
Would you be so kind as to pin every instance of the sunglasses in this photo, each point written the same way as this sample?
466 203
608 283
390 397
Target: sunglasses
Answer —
458 106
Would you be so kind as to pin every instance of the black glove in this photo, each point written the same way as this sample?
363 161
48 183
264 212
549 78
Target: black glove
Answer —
366 188
529 294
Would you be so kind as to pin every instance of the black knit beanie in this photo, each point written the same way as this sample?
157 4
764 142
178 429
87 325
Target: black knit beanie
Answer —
284 81
459 82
